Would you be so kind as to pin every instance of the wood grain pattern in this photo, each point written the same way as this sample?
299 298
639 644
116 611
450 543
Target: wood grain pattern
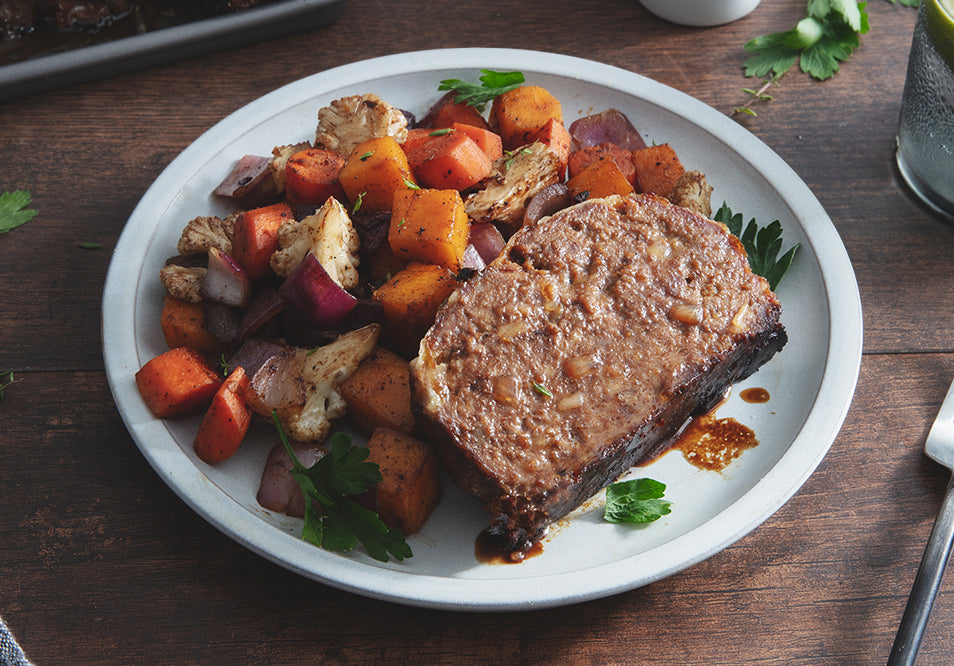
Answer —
102 563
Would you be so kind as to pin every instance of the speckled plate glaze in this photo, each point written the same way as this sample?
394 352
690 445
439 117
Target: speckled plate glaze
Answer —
811 382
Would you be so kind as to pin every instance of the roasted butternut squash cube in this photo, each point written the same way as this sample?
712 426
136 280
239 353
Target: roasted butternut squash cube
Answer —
599 179
430 226
378 394
410 301
520 114
410 487
658 169
375 170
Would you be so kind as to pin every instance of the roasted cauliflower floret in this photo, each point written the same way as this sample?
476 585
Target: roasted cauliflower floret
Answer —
329 235
348 121
516 178
182 282
201 233
302 387
692 191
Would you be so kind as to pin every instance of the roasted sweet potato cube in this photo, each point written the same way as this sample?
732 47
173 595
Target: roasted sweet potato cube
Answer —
177 382
411 484
378 394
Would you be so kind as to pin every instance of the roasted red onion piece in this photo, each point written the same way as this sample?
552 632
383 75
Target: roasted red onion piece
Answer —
487 240
225 281
222 321
472 259
610 126
246 176
372 229
310 292
253 354
547 201
277 384
278 490
263 305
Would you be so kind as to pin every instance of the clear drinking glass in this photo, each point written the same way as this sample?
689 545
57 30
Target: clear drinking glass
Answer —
926 130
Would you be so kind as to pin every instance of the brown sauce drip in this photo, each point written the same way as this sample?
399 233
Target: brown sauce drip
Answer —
712 443
755 395
488 550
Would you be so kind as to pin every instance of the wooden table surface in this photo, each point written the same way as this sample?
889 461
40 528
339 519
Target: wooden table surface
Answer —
101 562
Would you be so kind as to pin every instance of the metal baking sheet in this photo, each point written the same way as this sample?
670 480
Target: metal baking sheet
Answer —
165 45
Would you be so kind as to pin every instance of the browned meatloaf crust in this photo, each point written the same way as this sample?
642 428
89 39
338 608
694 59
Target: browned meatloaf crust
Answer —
583 349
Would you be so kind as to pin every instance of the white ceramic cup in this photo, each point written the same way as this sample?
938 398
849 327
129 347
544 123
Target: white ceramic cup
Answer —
700 12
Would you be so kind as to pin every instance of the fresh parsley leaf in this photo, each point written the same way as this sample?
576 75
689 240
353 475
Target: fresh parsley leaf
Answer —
762 245
14 211
491 85
826 37
636 501
333 520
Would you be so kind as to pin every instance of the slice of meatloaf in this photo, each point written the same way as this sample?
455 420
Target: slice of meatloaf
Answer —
582 350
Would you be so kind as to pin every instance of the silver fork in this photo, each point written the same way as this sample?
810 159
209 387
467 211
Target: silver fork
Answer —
940 447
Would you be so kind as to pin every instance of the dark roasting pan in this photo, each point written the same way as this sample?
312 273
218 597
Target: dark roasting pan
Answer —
166 45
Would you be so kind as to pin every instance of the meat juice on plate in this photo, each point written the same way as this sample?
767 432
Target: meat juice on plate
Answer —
926 129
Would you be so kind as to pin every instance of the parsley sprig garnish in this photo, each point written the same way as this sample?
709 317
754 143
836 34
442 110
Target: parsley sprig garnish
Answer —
14 211
826 36
491 85
332 519
636 501
762 245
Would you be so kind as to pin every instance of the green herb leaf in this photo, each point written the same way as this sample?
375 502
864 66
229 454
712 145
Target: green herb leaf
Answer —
87 245
409 184
441 132
541 389
491 85
636 501
761 245
357 202
826 37
364 156
14 211
333 520
6 380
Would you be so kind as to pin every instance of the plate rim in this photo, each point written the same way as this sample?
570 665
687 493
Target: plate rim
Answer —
835 392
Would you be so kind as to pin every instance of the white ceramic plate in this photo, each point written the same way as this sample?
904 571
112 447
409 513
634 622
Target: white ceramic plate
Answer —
811 381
